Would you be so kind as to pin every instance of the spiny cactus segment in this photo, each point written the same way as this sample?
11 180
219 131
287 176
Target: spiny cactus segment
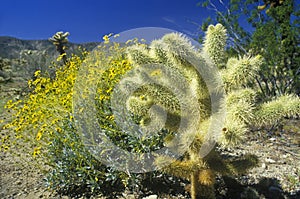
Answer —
60 39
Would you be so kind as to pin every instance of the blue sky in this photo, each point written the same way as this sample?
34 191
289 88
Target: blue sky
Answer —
89 20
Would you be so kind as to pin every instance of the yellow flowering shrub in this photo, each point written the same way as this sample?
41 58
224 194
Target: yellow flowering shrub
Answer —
43 124
40 113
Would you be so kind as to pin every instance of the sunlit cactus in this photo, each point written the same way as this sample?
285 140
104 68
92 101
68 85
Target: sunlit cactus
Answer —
239 72
214 44
270 112
60 39
239 75
138 54
166 59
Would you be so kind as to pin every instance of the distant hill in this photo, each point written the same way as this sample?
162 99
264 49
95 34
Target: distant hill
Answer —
11 47
18 63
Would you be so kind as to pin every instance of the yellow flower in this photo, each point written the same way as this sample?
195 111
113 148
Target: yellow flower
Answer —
36 151
61 56
156 72
5 147
39 135
106 38
19 136
110 117
143 97
109 90
37 73
30 83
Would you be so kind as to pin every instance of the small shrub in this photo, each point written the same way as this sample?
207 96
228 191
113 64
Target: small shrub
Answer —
74 171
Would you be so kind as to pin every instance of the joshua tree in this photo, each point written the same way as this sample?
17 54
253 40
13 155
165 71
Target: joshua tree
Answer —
166 98
60 40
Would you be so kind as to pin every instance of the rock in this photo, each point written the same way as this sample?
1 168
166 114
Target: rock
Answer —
129 196
151 197
269 160
272 139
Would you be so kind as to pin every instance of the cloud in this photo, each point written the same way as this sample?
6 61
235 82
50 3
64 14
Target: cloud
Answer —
181 28
170 20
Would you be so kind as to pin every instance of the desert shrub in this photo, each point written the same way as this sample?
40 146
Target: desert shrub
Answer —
74 171
39 114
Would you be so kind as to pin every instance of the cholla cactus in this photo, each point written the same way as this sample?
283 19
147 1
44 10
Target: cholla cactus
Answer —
60 40
214 44
270 112
161 63
240 72
166 62
238 77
